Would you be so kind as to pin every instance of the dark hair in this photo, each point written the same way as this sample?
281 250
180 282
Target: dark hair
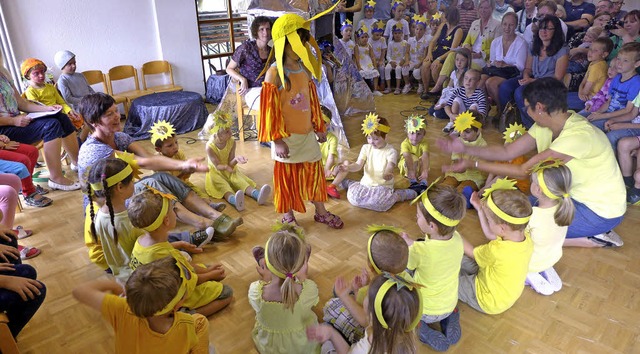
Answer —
159 143
549 91
550 4
255 25
98 173
93 106
452 15
326 111
606 42
635 13
557 41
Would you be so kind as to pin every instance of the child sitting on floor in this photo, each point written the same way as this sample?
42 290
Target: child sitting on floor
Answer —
492 275
462 63
379 159
224 179
466 98
153 211
147 320
436 261
414 154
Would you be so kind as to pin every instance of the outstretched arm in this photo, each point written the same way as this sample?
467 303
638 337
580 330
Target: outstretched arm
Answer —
92 293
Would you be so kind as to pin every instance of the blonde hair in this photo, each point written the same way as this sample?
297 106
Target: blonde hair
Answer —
287 253
400 307
152 286
558 182
512 202
144 208
448 202
389 251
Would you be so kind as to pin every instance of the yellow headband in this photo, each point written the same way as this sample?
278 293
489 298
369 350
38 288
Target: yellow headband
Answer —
424 197
464 121
399 282
414 123
185 276
539 170
503 184
271 268
371 124
373 230
161 130
163 212
113 180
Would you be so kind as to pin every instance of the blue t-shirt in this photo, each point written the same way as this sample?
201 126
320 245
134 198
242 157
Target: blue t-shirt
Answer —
623 92
575 12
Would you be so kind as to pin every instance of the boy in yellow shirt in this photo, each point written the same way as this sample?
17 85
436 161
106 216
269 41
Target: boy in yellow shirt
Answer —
414 154
147 319
595 76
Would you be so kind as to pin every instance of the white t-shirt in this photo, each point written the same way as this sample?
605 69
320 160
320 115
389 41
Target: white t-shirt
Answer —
388 29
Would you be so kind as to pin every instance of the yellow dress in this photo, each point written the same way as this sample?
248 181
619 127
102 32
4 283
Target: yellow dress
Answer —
217 183
416 153
279 330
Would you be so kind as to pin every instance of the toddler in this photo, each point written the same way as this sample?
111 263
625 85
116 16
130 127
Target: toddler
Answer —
346 31
462 63
414 153
72 85
329 150
378 159
467 97
379 45
153 211
366 60
284 304
466 182
397 9
599 99
147 320
224 179
418 49
397 60
578 60
550 220
436 261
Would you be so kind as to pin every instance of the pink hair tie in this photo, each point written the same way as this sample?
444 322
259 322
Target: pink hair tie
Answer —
289 275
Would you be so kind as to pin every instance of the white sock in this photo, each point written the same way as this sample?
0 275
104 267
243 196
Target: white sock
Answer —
539 284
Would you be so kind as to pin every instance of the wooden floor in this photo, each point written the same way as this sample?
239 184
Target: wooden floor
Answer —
597 311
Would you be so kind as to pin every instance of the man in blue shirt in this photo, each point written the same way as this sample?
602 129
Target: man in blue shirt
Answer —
579 14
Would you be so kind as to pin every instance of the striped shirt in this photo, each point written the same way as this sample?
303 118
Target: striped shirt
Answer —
478 98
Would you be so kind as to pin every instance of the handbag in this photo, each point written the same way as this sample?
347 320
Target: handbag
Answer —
506 72
510 115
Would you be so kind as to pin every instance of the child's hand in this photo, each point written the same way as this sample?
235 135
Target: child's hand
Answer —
8 253
424 176
228 169
450 145
218 273
459 166
594 116
361 279
241 160
194 165
282 149
411 175
322 137
475 200
583 97
407 239
186 246
587 106
328 173
341 287
74 116
319 333
55 107
387 176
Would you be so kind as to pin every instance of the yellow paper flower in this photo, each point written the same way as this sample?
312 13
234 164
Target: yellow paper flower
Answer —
464 121
161 130
414 123
131 160
372 229
221 120
371 124
547 163
500 184
513 132
160 193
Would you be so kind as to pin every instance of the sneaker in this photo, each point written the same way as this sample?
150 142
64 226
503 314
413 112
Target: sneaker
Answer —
633 199
435 339
397 91
448 128
406 89
332 191
377 93
239 201
36 200
417 187
420 89
201 237
539 284
27 252
553 278
22 232
64 187
451 327
607 239
258 253
41 190
386 91
264 193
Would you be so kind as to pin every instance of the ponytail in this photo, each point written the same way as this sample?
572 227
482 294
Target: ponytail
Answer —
557 181
285 254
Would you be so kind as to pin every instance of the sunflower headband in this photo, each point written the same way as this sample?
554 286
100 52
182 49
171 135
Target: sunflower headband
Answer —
513 132
503 184
399 283
346 24
373 230
372 124
414 123
130 168
163 212
539 170
185 277
161 130
424 198
221 120
464 121
369 4
378 26
279 227
362 30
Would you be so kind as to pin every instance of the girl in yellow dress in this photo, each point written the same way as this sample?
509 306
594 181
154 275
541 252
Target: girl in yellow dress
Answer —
224 179
414 154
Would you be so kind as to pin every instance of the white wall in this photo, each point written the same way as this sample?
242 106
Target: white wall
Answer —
104 34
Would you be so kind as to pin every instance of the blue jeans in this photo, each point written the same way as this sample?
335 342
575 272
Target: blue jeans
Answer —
599 123
510 90
574 102
438 113
616 135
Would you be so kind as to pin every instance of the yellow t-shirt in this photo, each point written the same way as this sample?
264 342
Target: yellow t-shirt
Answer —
328 148
474 175
416 152
503 269
375 161
636 101
437 265
596 180
596 73
547 239
188 334
47 95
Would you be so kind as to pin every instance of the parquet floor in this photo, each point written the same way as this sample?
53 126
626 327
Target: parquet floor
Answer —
597 311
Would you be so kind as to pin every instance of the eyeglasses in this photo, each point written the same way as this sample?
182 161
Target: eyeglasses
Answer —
547 28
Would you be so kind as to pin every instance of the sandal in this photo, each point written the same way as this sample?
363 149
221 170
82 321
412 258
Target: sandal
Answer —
22 232
27 252
41 190
289 219
41 202
332 220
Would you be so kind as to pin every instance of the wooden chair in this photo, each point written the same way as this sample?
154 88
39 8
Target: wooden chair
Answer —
7 342
96 77
242 111
155 68
124 72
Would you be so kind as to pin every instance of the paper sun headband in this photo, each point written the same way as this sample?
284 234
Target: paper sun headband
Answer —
464 121
161 130
371 124
221 120
424 198
399 283
539 169
414 123
513 132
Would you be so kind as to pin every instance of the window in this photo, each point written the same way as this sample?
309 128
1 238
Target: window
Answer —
223 27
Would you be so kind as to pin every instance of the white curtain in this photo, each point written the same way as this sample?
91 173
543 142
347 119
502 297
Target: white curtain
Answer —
7 57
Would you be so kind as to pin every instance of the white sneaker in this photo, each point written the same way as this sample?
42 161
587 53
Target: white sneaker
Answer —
608 239
64 187
448 128
539 284
406 89
553 278
264 193
420 89
377 93
239 201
